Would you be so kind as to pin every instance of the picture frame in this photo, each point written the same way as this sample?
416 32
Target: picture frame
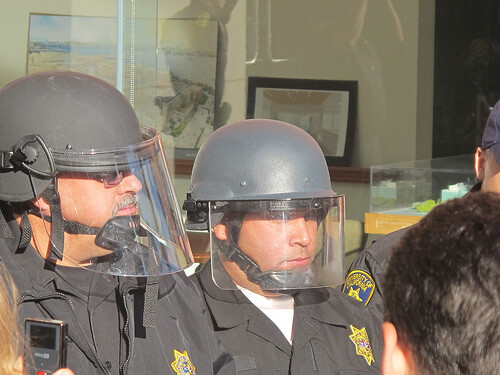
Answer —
326 109
83 44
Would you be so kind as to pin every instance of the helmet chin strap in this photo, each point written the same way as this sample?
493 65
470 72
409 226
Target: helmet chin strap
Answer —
117 233
120 233
59 224
71 227
273 281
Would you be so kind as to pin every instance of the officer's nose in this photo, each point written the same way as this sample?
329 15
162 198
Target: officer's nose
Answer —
299 232
129 184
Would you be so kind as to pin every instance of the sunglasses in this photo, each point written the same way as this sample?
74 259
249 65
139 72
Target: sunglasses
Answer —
108 178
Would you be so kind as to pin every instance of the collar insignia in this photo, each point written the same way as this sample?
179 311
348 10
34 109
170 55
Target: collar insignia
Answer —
182 364
360 338
360 286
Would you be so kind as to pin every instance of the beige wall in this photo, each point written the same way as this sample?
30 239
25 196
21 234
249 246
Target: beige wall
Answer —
386 46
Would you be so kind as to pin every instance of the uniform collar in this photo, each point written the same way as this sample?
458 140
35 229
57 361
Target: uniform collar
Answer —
230 307
326 305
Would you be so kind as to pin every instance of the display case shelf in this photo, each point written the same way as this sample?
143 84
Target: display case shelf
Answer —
402 193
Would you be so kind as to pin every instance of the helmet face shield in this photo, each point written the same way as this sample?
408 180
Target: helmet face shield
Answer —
120 211
277 245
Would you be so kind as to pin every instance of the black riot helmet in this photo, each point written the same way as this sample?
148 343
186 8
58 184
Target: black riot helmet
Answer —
70 113
268 171
57 127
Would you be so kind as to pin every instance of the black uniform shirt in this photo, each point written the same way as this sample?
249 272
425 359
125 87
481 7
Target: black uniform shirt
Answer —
104 316
364 277
332 334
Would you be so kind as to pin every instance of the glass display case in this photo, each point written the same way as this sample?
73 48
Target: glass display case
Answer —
402 193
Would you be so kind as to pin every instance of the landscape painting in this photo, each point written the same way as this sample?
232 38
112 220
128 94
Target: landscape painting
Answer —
81 44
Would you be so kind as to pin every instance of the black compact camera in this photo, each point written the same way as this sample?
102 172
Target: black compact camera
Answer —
45 350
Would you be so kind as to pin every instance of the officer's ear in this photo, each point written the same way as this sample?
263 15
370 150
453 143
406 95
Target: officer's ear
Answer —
397 359
480 163
220 231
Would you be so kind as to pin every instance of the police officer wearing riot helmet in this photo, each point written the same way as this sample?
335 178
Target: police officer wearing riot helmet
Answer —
91 232
364 277
262 189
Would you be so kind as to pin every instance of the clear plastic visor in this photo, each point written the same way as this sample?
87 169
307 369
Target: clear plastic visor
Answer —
277 245
120 212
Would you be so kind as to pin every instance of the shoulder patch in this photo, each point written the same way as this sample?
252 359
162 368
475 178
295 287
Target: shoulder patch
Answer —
182 364
360 339
359 285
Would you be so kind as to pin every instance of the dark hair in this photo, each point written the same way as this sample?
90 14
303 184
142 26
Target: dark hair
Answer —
441 287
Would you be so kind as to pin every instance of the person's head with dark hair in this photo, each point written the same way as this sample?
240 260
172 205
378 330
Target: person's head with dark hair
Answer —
441 294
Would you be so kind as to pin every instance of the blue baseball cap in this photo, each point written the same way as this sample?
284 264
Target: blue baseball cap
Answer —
491 135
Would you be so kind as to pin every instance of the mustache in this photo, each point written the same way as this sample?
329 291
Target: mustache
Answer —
126 201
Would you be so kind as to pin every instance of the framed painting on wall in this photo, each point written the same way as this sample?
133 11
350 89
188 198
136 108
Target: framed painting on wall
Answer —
77 43
326 109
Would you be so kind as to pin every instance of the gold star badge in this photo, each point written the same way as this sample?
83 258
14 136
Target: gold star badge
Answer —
360 338
182 364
